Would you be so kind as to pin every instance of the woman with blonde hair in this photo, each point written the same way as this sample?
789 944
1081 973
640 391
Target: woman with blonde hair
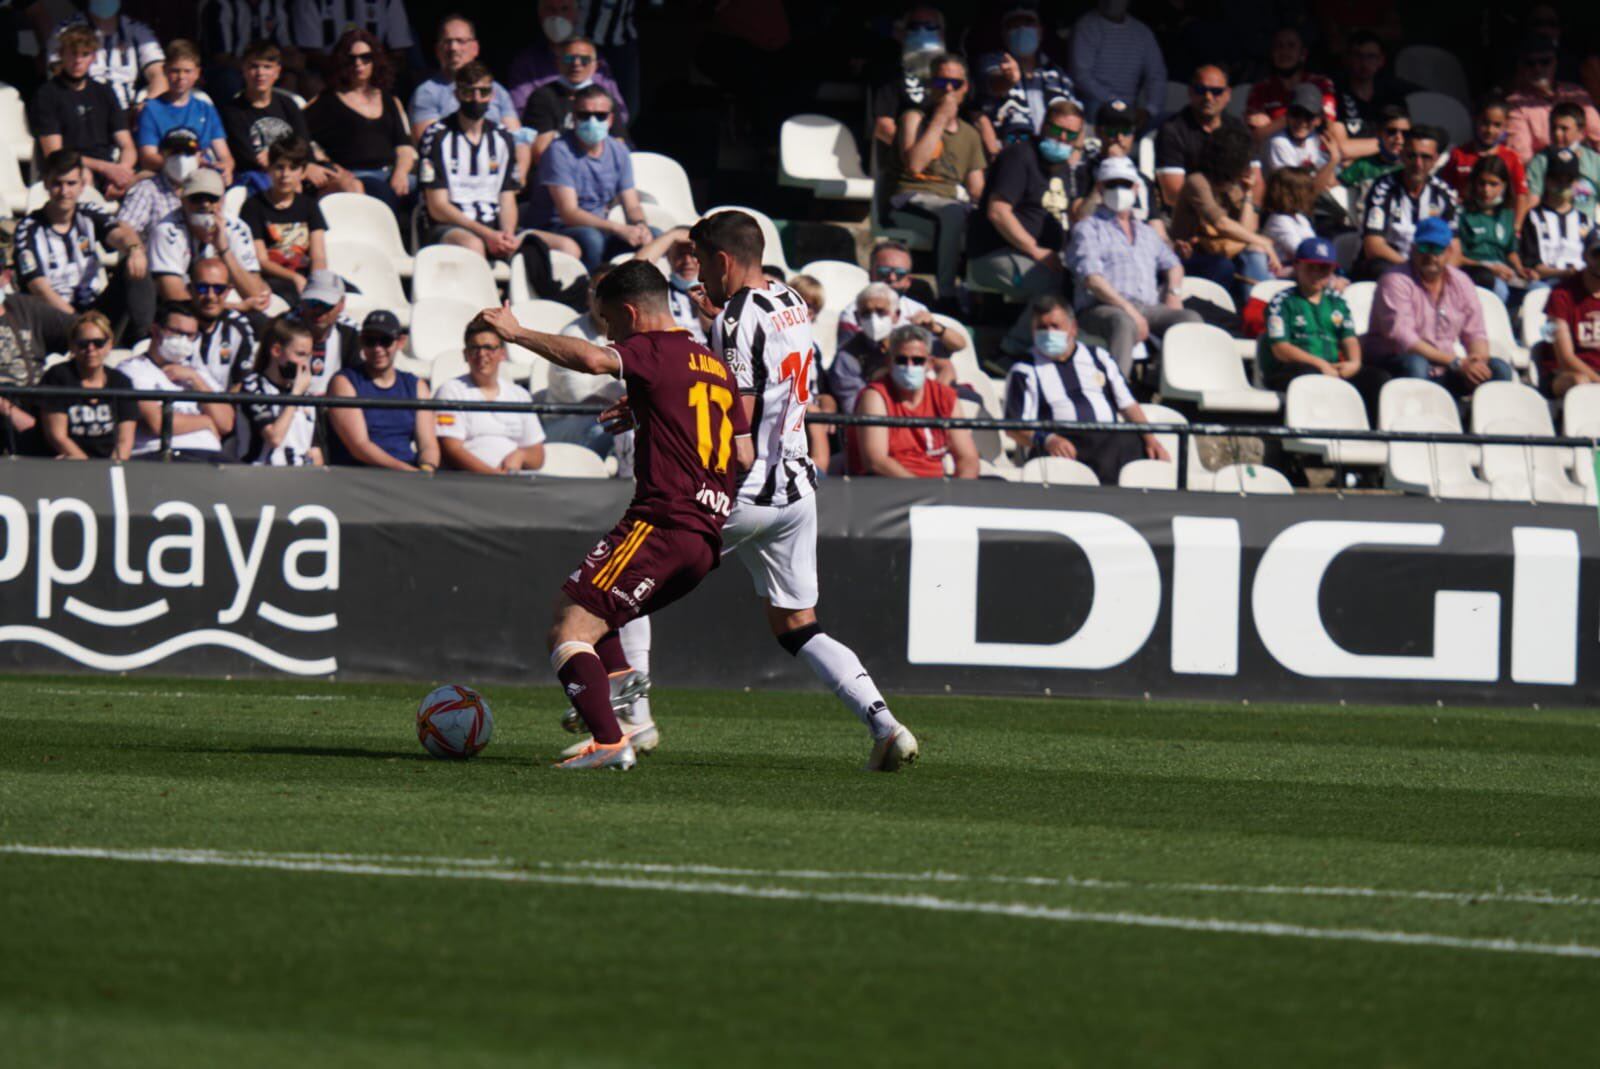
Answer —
77 428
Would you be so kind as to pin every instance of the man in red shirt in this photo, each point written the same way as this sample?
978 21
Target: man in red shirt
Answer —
1269 99
910 452
1573 354
1490 127
692 440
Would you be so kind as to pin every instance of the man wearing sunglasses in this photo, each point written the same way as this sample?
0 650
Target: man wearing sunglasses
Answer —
910 390
1534 91
581 176
920 33
550 109
939 152
890 264
1398 203
333 338
226 347
1427 322
1183 137
436 97
1021 226
541 62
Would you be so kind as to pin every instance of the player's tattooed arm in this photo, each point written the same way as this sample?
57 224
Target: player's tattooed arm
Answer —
575 354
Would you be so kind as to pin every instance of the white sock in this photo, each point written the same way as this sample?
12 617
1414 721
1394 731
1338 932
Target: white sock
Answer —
837 665
635 637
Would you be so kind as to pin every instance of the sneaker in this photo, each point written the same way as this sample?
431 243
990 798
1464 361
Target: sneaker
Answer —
618 755
888 754
626 690
642 737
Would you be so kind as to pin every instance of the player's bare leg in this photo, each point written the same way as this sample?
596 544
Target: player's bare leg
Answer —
837 665
573 635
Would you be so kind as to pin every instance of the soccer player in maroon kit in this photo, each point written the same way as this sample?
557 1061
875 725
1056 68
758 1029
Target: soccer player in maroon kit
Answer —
693 439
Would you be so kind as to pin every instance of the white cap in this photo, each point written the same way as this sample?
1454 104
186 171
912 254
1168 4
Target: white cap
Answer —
1117 167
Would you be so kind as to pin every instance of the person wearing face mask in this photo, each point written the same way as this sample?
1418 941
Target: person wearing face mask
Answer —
152 199
920 36
128 55
863 353
691 309
1114 56
74 111
1020 228
197 429
542 62
435 97
200 229
273 430
1534 92
909 390
181 106
1266 110
582 174
550 108
1067 380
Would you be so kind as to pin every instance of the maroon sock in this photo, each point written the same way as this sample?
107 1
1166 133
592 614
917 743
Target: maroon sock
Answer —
583 677
609 650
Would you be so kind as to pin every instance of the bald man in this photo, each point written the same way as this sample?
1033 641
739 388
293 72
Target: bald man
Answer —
1181 139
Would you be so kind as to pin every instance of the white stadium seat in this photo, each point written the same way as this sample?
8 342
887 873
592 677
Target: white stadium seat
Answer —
14 130
1519 472
1058 471
358 217
233 200
1531 320
659 216
1433 68
566 460
841 281
451 271
1502 339
1440 109
1580 418
1437 468
1148 475
1159 414
1203 289
1321 402
566 269
437 324
1199 363
663 180
1265 291
547 317
1145 154
819 153
769 230
373 273
1359 296
1249 479
13 190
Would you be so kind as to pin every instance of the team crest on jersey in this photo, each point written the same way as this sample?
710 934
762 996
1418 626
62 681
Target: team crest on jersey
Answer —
642 591
601 550
1337 319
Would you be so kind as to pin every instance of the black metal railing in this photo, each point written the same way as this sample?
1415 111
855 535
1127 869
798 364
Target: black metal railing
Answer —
1182 431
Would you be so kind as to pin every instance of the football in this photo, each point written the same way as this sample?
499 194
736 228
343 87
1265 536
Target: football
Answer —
454 722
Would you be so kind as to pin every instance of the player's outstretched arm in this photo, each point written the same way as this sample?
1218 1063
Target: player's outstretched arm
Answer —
574 354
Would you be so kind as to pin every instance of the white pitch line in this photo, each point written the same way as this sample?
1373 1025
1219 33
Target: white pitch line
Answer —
118 692
1018 910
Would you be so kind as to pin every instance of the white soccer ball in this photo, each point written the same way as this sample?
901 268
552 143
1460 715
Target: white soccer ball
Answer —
454 722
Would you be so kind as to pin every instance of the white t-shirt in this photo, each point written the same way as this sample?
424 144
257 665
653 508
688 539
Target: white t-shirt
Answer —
1285 151
173 247
489 436
145 375
1287 232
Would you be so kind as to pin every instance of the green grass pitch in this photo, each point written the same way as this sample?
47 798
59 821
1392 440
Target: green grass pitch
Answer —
274 874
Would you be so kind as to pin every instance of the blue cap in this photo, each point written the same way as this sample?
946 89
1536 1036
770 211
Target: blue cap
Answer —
1315 251
1433 231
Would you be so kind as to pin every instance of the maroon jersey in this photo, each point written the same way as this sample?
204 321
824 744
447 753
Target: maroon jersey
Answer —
1571 304
686 407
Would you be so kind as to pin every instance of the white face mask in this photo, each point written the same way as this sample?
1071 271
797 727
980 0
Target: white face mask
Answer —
179 166
1119 198
175 348
557 28
202 220
876 326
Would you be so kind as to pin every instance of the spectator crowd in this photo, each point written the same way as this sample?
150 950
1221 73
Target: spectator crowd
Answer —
1054 179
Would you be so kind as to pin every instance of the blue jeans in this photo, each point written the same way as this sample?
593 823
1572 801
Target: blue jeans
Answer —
1417 366
1250 265
598 246
375 183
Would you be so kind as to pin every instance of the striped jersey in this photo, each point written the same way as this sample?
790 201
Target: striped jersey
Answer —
1551 238
226 349
610 22
1393 213
261 412
124 54
318 24
1087 387
69 259
764 336
230 26
472 173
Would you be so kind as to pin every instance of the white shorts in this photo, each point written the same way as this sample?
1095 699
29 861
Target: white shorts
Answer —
778 546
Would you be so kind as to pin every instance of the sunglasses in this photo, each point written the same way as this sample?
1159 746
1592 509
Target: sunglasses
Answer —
1060 133
1208 90
577 60
313 309
911 361
210 289
376 341
1396 131
890 272
359 57
204 200
91 343
947 84
1116 131
582 115
1431 250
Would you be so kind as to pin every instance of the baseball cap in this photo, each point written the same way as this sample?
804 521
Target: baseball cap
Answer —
180 139
383 323
204 182
1307 98
323 287
1563 162
1433 232
1114 168
1114 113
1315 251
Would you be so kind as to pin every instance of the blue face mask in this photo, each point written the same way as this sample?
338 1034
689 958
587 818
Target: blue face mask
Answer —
681 284
1055 151
1023 41
910 378
593 131
1051 343
104 9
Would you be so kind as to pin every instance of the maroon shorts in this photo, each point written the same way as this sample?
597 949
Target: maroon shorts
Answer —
639 568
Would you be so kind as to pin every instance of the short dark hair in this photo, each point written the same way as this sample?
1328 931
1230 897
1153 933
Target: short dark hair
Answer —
292 149
1429 132
1494 98
947 57
1390 112
167 309
454 16
593 92
1044 305
1491 164
280 332
478 325
633 282
733 232
1567 109
61 162
1362 37
476 71
259 50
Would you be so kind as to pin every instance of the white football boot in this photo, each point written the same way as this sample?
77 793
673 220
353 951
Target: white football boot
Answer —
888 754
618 756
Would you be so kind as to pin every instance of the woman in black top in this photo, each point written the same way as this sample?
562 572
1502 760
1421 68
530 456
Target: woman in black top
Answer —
78 428
360 124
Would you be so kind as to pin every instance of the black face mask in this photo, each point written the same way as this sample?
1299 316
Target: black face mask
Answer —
474 109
